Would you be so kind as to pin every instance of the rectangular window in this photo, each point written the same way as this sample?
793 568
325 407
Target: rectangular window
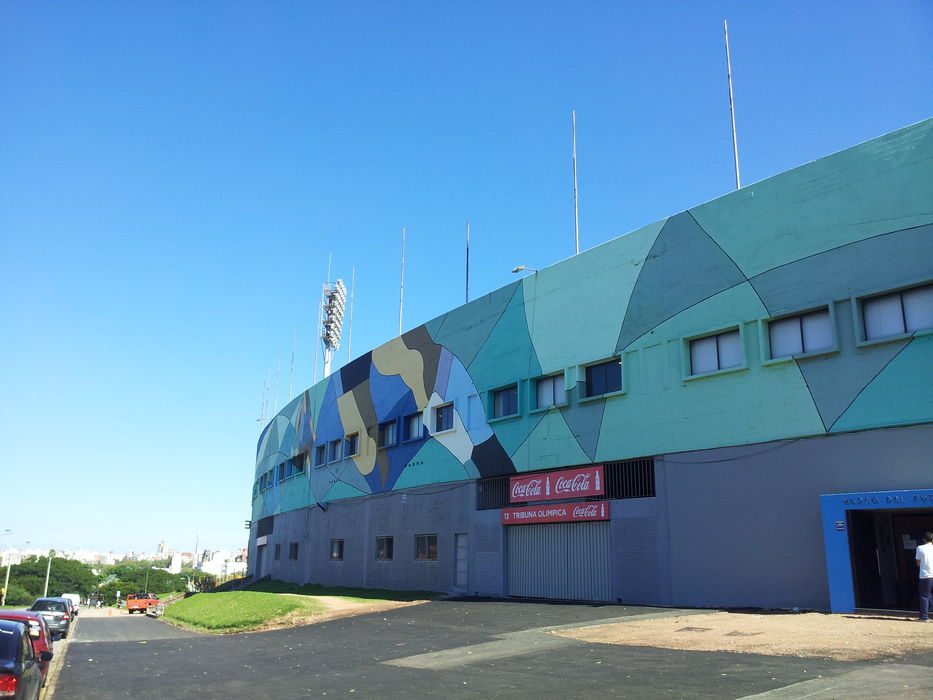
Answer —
336 550
298 463
604 378
280 470
549 391
425 547
333 450
796 335
351 445
386 437
413 427
293 550
278 552
898 313
505 402
716 352
444 417
320 455
384 548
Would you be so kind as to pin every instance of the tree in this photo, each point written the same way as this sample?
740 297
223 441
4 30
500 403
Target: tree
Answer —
65 576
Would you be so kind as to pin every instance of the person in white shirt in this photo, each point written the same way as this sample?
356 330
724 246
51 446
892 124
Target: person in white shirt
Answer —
925 562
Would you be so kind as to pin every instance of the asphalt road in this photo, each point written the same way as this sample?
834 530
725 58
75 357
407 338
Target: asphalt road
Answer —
444 649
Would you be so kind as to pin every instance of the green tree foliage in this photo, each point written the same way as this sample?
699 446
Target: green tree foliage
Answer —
65 576
17 595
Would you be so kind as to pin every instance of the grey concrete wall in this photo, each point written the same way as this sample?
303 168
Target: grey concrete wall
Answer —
745 523
441 510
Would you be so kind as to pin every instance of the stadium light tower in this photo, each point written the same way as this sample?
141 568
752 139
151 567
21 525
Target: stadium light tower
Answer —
335 302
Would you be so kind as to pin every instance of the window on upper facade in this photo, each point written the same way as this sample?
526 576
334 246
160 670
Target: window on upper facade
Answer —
413 427
280 471
796 335
386 434
505 401
443 417
293 550
425 547
336 550
898 313
298 463
320 455
604 378
333 450
278 552
550 391
715 352
384 548
351 445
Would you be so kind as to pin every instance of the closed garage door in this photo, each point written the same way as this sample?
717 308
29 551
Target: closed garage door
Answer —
567 561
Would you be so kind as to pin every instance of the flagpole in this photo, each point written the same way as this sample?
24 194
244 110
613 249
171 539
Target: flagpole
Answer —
735 142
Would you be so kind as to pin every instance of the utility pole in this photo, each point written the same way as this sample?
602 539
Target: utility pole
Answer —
48 569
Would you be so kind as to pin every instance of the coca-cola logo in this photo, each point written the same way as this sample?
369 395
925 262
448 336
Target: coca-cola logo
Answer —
587 511
579 482
526 489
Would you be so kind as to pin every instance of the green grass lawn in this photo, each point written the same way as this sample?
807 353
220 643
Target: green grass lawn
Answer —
362 595
234 610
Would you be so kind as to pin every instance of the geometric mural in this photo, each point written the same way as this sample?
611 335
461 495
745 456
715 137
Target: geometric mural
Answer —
856 223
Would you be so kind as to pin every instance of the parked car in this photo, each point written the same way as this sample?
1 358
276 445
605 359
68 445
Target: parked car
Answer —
56 614
20 675
39 633
72 610
75 601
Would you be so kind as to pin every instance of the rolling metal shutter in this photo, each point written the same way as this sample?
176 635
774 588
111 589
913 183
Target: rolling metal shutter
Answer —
564 561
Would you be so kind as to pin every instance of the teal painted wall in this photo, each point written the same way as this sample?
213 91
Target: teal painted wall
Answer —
855 223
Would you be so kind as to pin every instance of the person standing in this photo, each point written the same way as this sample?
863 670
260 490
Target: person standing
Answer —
925 562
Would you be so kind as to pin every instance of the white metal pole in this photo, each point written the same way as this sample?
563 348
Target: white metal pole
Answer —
350 319
291 373
317 330
401 289
468 263
576 218
735 141
278 364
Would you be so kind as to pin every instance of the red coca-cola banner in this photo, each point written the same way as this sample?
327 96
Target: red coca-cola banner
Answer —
567 483
556 513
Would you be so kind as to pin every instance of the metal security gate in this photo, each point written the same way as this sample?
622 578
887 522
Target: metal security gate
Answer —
565 561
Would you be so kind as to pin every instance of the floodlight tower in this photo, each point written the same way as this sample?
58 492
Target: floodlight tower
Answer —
334 302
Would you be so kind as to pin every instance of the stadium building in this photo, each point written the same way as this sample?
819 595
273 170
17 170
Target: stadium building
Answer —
729 407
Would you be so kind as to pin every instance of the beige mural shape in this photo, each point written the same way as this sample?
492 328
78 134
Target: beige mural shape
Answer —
365 460
396 358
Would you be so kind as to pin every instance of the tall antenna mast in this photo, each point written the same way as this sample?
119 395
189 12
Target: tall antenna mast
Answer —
576 218
468 263
735 141
265 399
278 364
401 288
262 404
317 328
291 374
350 323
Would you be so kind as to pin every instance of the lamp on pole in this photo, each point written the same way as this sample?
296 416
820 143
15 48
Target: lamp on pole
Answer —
6 583
48 569
523 268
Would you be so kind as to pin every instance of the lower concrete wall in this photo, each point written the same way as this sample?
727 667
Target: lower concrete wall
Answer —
745 523
731 527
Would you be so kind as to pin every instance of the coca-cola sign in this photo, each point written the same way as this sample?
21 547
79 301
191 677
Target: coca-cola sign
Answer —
556 513
567 483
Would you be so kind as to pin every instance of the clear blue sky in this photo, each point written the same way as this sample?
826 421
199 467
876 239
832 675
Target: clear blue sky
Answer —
174 175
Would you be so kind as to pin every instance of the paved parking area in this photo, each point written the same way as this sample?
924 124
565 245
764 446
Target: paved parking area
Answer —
462 649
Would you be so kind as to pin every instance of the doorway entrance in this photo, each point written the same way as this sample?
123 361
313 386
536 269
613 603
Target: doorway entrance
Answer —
870 539
883 545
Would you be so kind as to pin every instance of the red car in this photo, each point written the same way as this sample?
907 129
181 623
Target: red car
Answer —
39 634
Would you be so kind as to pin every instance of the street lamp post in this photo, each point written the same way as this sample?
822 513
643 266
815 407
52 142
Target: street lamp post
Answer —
48 569
6 583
